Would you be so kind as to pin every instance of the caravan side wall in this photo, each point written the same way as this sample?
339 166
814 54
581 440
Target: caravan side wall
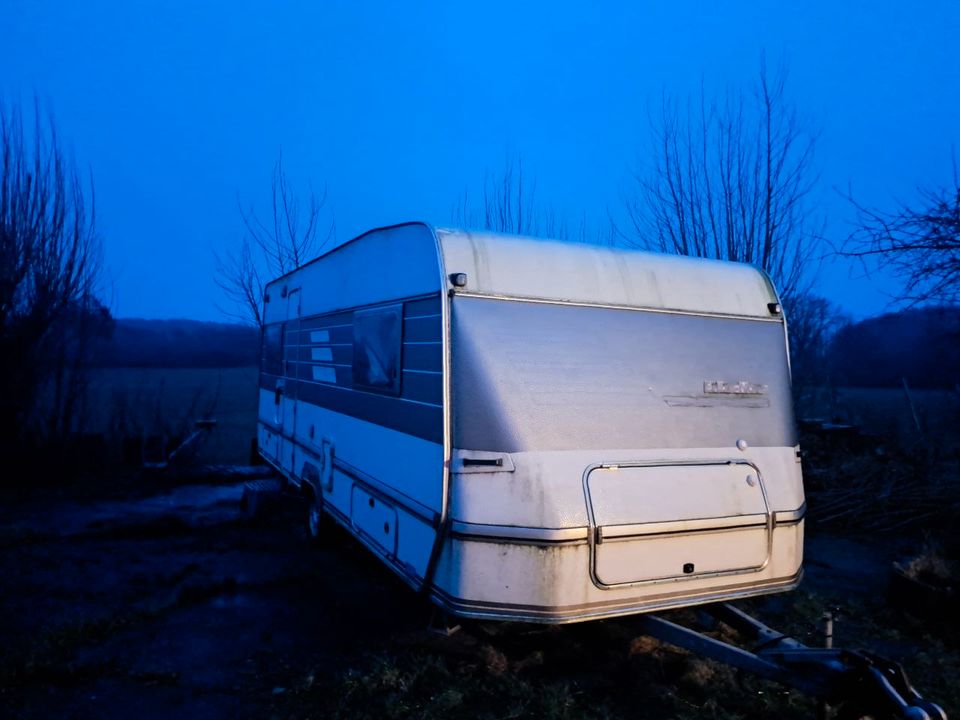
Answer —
351 389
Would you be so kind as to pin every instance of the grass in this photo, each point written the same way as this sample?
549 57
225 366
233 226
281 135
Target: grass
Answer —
131 402
608 670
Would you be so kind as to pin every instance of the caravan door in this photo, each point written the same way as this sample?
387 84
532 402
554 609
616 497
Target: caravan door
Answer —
287 408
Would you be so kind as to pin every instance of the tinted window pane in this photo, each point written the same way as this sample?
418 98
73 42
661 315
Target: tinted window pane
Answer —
272 349
376 349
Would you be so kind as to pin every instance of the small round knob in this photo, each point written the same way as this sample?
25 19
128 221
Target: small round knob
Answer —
742 445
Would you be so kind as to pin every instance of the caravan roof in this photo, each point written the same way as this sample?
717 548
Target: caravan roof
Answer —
524 267
520 267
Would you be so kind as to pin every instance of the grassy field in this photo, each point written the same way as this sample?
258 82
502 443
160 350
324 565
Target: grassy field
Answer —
132 402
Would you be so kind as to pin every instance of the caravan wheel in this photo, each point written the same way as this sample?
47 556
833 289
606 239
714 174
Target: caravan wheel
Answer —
315 523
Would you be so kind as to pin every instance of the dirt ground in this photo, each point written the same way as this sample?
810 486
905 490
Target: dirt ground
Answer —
167 602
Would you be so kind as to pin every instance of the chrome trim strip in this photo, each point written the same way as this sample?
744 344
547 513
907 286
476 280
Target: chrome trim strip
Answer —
672 527
516 535
480 531
443 524
575 303
789 517
564 614
421 317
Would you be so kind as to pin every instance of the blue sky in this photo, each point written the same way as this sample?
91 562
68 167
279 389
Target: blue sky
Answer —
180 108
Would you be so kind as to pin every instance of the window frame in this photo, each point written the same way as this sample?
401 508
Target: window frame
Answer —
365 330
272 349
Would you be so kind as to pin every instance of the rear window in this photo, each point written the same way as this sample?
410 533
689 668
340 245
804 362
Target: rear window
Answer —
376 349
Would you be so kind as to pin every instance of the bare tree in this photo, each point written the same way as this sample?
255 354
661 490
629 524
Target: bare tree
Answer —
813 323
289 236
920 242
731 180
49 267
509 204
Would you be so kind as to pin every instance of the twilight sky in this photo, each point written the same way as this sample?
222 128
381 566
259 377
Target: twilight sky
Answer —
181 108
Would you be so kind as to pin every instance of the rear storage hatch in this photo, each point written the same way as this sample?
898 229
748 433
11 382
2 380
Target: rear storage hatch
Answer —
664 522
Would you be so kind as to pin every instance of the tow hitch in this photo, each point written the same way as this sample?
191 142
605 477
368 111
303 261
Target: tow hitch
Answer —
865 684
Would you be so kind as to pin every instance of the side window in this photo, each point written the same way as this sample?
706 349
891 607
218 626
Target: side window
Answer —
289 349
271 355
376 349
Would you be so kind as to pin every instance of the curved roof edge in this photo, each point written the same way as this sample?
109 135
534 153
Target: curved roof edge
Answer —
351 241
537 269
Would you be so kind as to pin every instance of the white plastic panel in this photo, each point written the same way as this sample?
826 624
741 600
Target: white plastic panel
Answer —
380 266
375 519
410 465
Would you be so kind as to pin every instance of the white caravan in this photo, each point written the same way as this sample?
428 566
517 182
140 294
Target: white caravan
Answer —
537 430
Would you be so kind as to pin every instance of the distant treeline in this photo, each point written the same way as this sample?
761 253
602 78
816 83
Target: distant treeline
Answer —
921 345
178 343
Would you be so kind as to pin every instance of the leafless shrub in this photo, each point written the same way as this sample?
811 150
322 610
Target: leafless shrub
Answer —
509 204
730 179
272 245
919 241
813 322
49 267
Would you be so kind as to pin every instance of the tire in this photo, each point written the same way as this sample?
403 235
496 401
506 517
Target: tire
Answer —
315 525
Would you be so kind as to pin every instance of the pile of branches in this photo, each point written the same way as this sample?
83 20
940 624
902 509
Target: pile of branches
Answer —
879 493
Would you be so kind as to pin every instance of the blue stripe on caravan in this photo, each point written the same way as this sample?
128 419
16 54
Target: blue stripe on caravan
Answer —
422 329
413 418
423 306
419 386
320 370
324 321
424 387
423 357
